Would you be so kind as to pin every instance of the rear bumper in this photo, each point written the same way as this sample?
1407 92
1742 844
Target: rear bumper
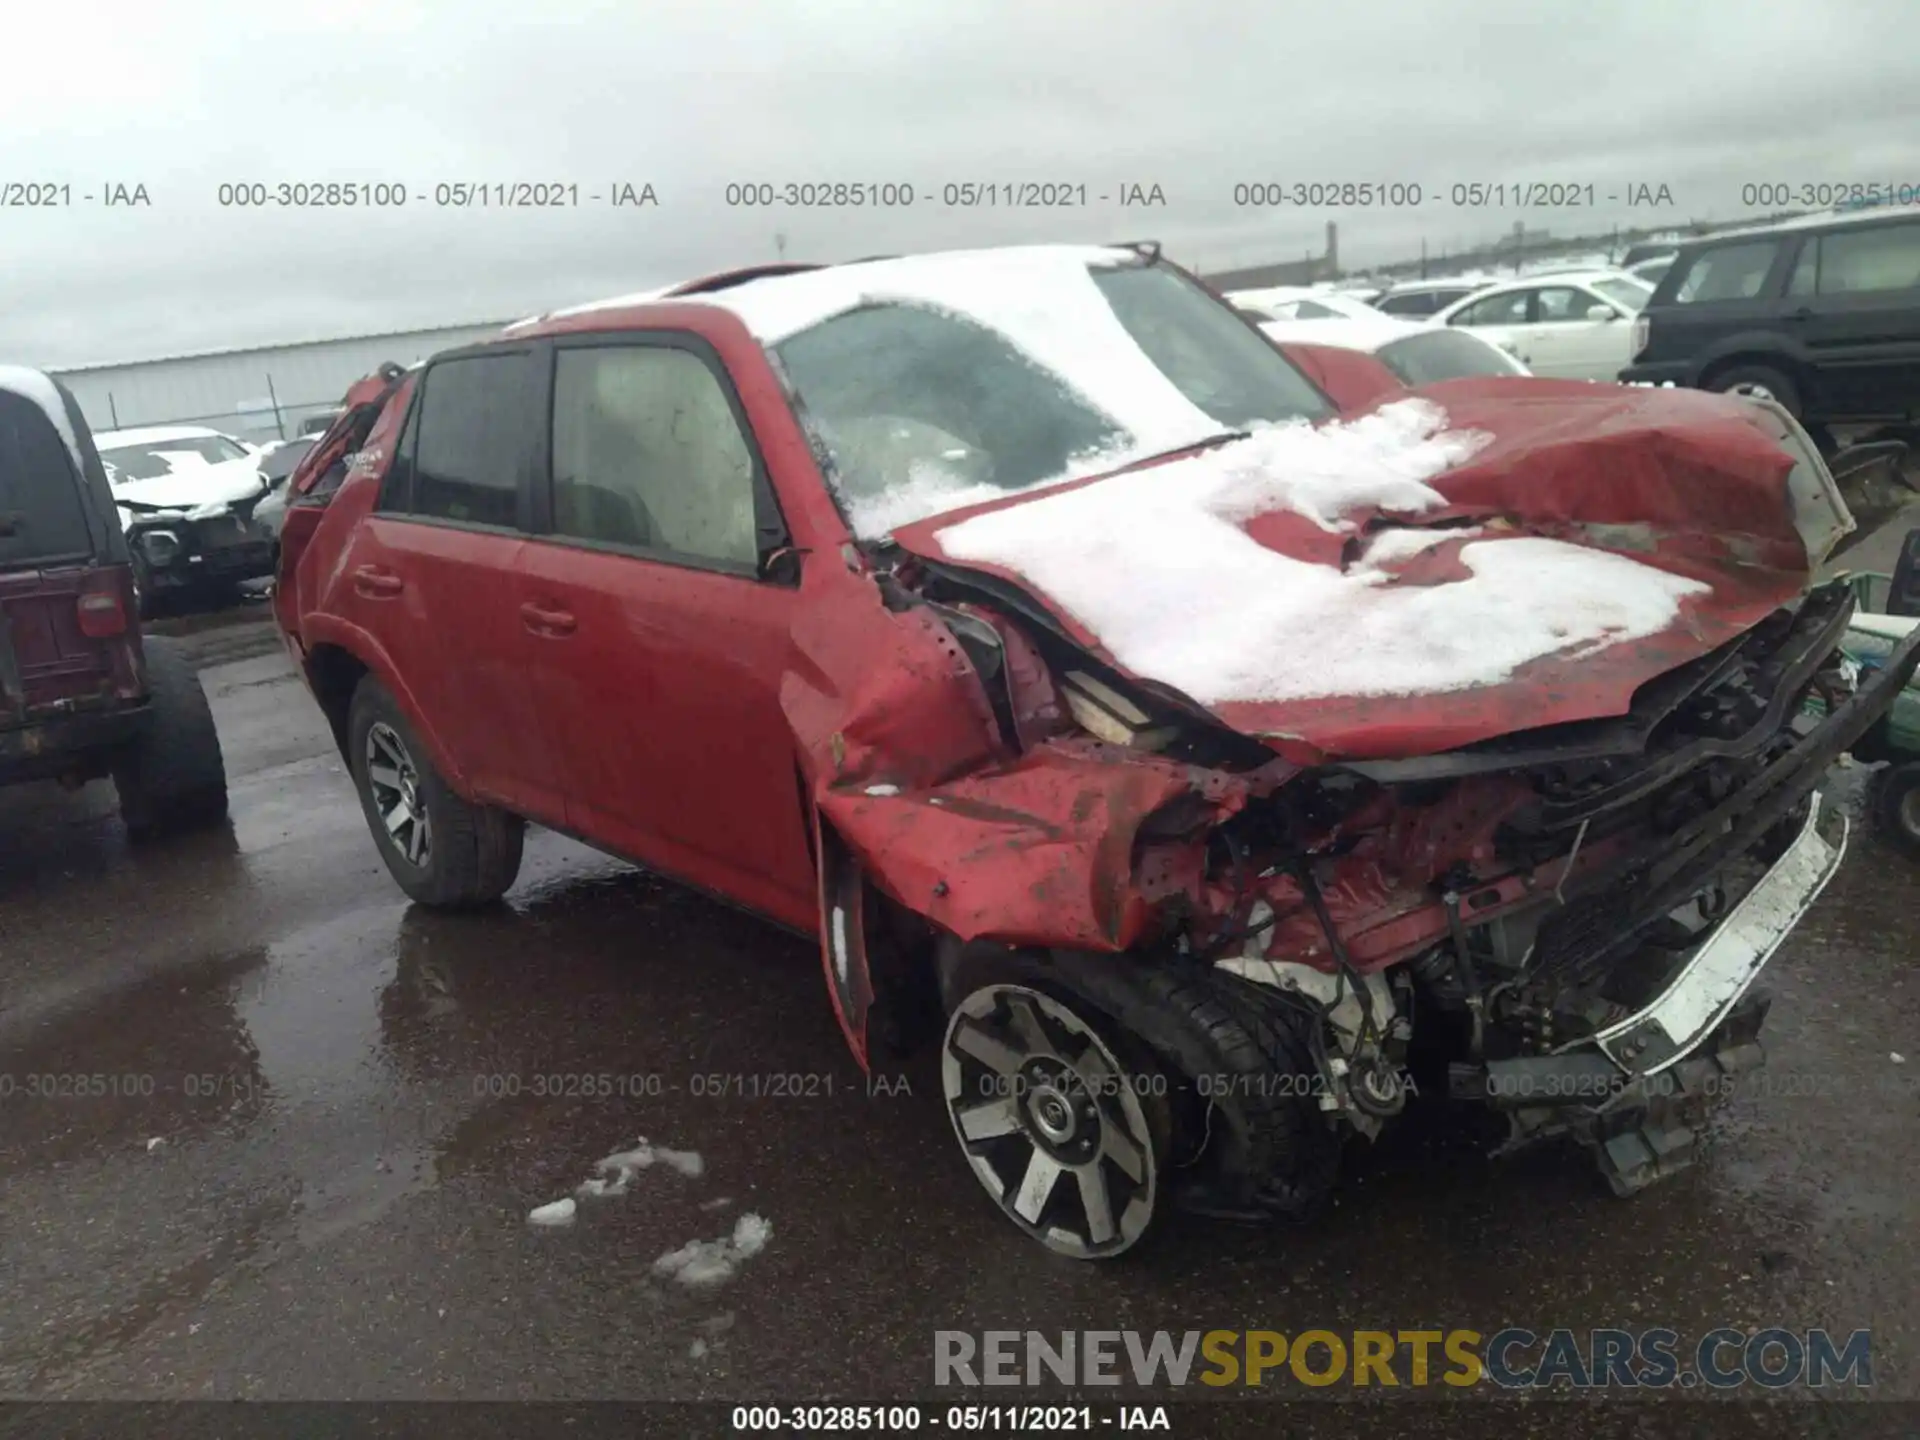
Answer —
66 743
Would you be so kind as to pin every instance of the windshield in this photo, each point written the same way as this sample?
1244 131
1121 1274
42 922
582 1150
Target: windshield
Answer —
162 457
1443 355
923 409
1630 294
281 458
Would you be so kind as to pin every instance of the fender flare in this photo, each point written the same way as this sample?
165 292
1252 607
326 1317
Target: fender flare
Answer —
845 910
323 629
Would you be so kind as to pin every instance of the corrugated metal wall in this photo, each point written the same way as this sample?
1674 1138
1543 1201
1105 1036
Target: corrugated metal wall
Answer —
237 391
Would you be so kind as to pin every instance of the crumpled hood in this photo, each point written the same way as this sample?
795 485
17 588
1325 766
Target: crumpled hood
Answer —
192 486
1486 556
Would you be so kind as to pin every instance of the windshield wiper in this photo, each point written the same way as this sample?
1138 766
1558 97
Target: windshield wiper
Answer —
1210 442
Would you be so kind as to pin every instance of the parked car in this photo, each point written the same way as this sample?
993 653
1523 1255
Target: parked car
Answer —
277 463
186 496
82 694
1888 614
1416 354
1821 313
1186 758
1417 299
1645 250
1302 305
1649 272
1568 327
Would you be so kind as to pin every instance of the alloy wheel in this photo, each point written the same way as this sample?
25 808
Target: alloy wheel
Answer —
393 780
1051 1121
1754 389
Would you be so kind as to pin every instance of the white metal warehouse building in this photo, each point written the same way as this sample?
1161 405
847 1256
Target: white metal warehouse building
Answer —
259 394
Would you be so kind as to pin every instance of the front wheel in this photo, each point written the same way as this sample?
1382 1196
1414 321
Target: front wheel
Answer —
1762 382
1058 1127
441 849
1896 805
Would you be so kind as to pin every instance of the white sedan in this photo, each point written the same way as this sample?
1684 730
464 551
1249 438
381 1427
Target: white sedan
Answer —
1571 327
1419 354
1302 304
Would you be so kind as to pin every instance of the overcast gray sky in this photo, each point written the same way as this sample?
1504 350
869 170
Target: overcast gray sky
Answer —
1193 96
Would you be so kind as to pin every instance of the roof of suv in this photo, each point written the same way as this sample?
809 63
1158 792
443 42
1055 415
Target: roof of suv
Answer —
775 301
1820 220
38 387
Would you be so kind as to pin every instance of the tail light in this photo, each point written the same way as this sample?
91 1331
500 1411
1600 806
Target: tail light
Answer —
102 607
1642 331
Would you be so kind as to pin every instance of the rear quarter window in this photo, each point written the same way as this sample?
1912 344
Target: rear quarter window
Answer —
1726 272
41 515
471 436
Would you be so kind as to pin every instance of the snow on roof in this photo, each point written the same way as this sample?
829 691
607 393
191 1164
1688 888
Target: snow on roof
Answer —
35 387
153 435
1155 563
616 302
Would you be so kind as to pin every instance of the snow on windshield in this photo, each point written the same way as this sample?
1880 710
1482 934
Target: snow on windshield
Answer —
1156 565
940 380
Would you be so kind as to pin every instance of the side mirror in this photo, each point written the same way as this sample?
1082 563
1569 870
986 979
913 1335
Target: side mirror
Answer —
1602 312
1903 595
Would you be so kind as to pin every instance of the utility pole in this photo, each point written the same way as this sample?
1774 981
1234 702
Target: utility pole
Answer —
780 244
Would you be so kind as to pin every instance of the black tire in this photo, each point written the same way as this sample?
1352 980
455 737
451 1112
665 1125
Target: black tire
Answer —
172 777
1778 384
1245 1137
1896 806
470 854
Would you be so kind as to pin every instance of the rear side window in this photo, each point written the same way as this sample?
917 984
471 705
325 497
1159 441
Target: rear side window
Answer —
472 440
41 517
1869 261
1505 309
1727 272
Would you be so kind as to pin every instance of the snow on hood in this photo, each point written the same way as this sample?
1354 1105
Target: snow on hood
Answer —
1257 579
1208 609
194 483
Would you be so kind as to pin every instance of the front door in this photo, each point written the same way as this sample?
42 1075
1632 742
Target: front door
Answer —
658 649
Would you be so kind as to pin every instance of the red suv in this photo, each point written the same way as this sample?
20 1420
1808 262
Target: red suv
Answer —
1202 757
82 694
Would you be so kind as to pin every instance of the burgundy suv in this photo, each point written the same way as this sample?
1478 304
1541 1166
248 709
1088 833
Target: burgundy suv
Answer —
1202 759
82 696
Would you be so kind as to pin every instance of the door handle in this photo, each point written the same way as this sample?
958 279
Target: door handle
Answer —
377 584
1805 312
545 621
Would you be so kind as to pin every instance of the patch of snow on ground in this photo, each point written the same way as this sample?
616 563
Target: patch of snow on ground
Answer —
701 1263
616 1172
1155 563
560 1212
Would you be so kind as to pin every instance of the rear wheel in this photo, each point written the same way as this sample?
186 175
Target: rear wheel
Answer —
442 850
172 777
1763 382
1896 805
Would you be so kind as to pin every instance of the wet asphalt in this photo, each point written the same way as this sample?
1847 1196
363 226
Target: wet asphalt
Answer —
322 1135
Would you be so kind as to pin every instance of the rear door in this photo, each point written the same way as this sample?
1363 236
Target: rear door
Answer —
432 570
1854 298
658 648
46 558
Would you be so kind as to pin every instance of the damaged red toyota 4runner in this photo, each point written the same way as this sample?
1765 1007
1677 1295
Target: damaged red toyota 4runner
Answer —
1191 749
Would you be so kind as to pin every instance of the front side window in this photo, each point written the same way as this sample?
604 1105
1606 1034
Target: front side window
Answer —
647 454
471 440
1869 261
1727 272
1559 304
